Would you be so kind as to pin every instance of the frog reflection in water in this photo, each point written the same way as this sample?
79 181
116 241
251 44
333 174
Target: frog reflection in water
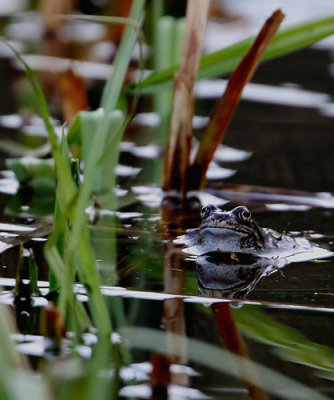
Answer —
236 232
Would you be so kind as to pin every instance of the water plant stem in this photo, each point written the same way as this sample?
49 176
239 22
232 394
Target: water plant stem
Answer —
178 150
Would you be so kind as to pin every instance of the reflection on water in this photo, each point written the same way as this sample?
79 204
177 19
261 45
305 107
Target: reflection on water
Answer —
219 275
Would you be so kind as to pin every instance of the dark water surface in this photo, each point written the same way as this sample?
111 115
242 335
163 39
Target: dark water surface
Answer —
284 326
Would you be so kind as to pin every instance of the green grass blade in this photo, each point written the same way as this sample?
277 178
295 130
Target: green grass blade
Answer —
67 188
221 360
89 276
106 19
114 84
283 339
9 357
105 161
224 61
100 139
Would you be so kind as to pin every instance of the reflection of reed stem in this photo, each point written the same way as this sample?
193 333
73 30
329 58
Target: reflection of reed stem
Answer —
173 309
232 339
172 217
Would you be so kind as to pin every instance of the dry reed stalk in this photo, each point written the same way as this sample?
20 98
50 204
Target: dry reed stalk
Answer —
225 107
177 154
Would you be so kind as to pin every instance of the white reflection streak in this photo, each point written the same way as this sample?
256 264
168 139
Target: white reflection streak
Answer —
145 295
280 95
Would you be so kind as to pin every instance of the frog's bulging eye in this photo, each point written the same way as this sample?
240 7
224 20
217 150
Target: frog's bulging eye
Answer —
207 210
243 214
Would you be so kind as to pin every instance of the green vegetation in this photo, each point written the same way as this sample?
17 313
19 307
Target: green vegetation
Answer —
224 61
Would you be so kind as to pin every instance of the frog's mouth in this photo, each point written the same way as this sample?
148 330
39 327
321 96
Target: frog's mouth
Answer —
227 226
248 236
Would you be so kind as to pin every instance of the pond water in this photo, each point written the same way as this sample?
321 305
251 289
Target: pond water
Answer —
279 162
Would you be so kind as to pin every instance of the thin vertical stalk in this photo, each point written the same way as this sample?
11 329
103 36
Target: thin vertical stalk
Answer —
178 150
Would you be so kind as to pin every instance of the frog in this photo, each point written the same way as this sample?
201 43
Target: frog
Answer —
236 232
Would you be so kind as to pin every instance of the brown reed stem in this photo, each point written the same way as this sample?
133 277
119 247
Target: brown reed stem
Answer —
225 107
177 153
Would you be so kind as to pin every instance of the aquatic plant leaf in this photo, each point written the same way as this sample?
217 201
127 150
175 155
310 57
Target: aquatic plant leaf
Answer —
16 379
74 136
105 174
63 170
27 169
167 50
224 61
107 19
79 249
21 384
112 89
289 343
19 149
9 357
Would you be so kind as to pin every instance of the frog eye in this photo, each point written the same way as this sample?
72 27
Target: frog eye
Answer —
243 214
207 210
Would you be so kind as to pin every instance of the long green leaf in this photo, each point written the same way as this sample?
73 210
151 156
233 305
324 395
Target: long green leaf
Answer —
109 101
288 342
114 84
63 170
224 61
221 360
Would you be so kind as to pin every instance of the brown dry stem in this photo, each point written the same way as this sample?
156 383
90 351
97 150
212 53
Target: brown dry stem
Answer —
178 150
73 95
225 107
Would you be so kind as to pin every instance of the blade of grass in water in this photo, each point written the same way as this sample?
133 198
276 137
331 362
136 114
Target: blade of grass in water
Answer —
114 84
78 251
67 189
133 32
102 19
16 379
79 239
283 339
104 180
9 357
223 361
224 61
109 102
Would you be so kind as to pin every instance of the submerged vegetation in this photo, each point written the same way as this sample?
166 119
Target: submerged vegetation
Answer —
78 165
